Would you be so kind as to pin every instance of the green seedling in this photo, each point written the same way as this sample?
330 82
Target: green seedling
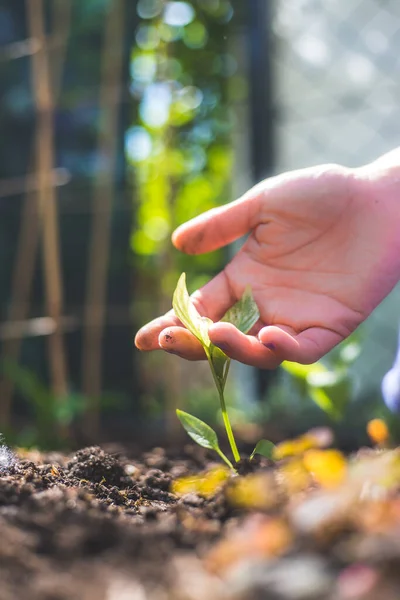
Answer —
244 314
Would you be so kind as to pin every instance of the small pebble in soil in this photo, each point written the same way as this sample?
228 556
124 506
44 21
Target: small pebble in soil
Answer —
131 470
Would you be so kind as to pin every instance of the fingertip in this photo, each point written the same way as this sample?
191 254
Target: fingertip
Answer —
188 236
176 236
136 340
145 340
179 341
165 339
279 341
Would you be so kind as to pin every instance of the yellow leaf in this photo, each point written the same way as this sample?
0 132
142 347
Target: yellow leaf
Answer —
256 491
205 484
328 467
295 447
294 477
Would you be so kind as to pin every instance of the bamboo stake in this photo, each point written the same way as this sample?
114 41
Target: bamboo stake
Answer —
30 227
14 186
46 195
110 97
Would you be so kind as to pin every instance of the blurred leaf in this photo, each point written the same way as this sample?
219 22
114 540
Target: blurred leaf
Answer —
265 448
257 491
294 447
332 389
302 371
70 407
350 352
220 159
322 399
328 467
325 379
195 35
206 484
28 384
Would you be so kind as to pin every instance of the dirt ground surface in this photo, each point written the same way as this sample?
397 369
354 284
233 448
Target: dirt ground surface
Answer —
102 525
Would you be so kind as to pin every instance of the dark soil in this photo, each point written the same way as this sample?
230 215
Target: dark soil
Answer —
102 525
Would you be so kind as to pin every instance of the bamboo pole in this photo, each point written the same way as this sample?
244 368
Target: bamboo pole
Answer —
30 226
14 186
44 151
110 97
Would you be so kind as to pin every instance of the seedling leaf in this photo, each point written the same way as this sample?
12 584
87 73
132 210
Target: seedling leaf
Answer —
244 314
187 313
265 448
198 326
199 431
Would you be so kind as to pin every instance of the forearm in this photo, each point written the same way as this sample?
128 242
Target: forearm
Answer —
377 194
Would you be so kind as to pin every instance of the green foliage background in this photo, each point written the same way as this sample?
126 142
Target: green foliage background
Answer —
179 145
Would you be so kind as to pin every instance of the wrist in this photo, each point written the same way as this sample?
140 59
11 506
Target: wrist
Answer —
376 193
378 183
384 173
377 190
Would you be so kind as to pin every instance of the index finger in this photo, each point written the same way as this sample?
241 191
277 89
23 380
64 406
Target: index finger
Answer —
146 338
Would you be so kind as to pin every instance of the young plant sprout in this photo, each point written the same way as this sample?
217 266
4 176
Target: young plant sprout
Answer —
244 314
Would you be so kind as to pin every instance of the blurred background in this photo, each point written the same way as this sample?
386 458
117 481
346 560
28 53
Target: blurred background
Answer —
120 120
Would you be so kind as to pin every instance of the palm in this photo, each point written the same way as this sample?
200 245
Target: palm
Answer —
316 258
304 274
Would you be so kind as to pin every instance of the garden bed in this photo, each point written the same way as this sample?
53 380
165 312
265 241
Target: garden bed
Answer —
101 524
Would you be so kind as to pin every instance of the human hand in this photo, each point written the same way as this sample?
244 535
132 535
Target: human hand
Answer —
323 251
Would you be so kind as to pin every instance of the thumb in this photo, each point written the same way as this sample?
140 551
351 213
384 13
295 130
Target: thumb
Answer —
219 226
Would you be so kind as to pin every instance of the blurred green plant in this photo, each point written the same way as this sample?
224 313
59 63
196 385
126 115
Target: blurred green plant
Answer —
180 142
327 382
50 414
